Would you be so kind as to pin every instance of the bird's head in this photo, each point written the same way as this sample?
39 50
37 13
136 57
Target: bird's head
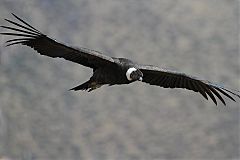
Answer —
134 74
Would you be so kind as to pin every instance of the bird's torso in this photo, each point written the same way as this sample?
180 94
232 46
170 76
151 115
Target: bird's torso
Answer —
114 74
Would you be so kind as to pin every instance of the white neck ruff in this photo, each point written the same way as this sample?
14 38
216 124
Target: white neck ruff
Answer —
129 71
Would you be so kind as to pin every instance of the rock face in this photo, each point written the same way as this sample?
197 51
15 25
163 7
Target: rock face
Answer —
40 119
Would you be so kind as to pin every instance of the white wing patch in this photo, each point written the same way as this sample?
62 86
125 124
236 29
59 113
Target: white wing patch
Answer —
129 71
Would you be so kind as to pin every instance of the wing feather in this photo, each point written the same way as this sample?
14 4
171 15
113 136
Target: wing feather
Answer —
172 79
30 36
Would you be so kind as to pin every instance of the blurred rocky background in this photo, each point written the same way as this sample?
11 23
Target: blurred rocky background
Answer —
41 119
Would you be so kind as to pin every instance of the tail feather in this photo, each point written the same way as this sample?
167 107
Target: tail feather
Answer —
83 86
89 86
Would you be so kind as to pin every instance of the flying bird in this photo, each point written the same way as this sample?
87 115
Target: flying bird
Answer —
110 70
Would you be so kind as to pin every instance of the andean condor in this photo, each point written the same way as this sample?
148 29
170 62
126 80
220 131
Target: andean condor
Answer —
110 70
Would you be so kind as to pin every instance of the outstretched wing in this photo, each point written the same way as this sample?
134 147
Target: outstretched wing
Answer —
29 36
171 79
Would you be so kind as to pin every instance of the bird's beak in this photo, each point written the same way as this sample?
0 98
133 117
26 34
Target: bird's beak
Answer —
140 79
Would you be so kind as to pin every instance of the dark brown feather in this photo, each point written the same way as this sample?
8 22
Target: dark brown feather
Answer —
33 38
172 79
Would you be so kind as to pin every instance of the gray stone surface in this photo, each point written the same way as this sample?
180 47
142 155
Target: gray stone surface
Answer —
40 119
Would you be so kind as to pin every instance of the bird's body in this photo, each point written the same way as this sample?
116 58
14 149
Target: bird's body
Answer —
114 74
109 70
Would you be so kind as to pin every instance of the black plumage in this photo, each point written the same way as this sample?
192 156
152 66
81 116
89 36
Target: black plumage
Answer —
110 70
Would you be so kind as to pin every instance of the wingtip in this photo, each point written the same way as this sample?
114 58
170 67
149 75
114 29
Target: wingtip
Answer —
224 103
215 102
7 20
14 14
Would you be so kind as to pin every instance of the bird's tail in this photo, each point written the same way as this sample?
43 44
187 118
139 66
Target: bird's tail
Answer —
89 86
83 86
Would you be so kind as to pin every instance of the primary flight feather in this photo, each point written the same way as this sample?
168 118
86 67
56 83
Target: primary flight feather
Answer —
110 70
